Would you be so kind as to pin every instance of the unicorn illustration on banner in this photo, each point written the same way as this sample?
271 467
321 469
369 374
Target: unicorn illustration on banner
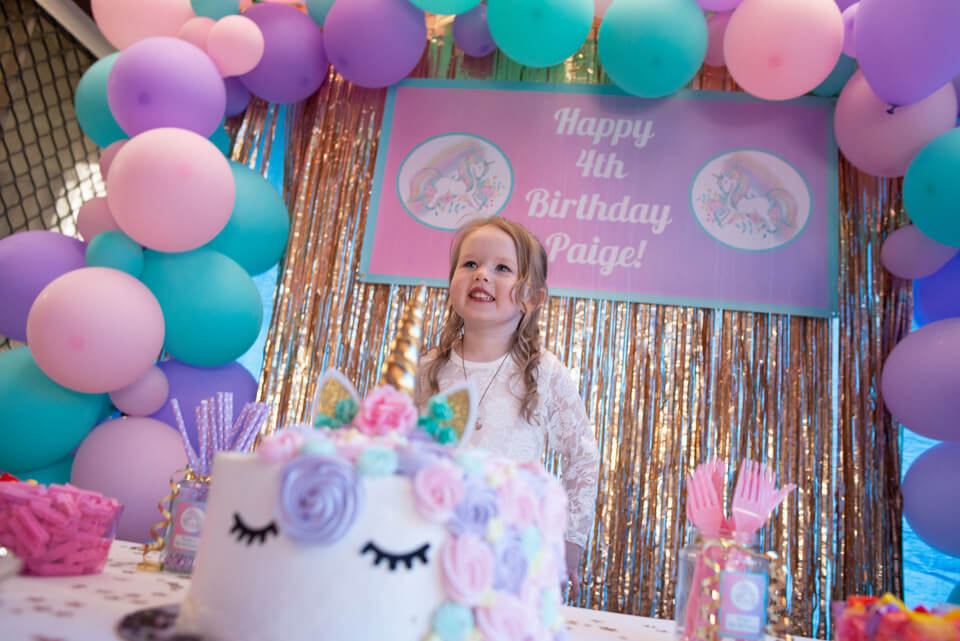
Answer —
751 200
454 182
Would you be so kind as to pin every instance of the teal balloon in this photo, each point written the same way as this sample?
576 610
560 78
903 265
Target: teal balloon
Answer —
539 33
221 139
40 421
445 7
90 102
652 48
57 472
931 190
116 250
211 306
256 234
215 9
838 78
318 9
954 598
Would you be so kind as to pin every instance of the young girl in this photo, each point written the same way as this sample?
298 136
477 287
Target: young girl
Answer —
527 399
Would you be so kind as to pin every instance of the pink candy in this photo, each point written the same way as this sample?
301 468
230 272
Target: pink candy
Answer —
57 530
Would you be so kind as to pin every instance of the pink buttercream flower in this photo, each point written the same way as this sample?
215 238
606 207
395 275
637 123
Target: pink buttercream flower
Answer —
280 446
467 565
519 505
508 620
437 489
386 410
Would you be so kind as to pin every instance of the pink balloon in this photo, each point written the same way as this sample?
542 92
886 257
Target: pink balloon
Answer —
716 28
95 329
882 143
107 156
171 189
124 22
94 217
781 49
196 30
235 45
849 16
132 460
145 395
909 253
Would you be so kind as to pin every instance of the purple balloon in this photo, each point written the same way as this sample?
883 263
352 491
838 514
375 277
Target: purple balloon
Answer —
294 63
237 96
165 82
29 261
843 4
849 19
471 32
956 88
907 50
909 253
920 380
190 385
931 492
937 296
375 43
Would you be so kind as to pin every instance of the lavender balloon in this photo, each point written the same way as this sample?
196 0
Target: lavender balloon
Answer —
165 82
294 63
237 96
849 16
937 296
375 43
472 33
920 380
29 261
909 253
907 50
930 489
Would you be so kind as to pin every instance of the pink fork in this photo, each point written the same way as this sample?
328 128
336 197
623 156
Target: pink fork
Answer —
706 512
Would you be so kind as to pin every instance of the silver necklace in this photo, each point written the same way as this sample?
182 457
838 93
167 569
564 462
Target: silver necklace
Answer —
479 424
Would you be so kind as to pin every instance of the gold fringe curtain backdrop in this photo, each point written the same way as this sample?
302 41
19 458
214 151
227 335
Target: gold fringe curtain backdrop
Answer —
666 387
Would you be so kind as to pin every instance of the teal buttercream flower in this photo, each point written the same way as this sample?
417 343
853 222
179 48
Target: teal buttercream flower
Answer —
530 542
446 435
440 409
429 425
470 463
377 461
319 446
549 607
346 409
322 420
452 622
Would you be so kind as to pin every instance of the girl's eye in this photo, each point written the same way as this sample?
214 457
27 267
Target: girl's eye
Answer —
244 531
395 559
470 264
503 268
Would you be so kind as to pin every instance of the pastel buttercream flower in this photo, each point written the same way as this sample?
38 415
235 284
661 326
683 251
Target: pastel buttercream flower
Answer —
280 446
495 529
467 566
471 461
452 622
437 489
320 498
319 446
411 460
530 542
520 506
474 511
377 461
498 471
512 563
439 409
386 410
507 620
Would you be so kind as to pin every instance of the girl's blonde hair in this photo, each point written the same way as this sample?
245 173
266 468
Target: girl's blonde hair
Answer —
526 294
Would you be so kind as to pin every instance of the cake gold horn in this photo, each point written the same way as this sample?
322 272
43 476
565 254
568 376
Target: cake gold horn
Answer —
400 368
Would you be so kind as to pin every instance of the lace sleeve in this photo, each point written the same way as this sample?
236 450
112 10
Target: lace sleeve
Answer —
571 435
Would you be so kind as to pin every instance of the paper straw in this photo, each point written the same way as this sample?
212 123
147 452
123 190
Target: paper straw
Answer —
235 433
191 453
228 421
203 429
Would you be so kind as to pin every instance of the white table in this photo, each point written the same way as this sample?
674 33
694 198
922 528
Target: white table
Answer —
88 608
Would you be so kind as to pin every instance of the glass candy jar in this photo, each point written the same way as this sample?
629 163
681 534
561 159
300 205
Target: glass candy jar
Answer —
722 588
187 510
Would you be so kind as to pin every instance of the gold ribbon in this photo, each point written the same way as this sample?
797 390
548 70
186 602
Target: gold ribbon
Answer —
159 543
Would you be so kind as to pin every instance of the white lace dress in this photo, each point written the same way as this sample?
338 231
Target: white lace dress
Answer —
561 422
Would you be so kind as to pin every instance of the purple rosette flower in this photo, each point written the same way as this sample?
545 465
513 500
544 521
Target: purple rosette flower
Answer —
511 563
320 498
474 511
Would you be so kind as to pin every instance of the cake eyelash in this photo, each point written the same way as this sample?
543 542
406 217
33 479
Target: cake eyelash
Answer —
245 532
394 559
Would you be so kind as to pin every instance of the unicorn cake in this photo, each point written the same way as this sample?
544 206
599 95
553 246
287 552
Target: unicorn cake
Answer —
374 522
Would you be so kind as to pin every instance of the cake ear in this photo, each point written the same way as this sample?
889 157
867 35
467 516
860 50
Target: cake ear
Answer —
336 401
451 416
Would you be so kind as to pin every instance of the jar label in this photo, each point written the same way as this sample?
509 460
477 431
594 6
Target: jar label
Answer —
186 527
743 605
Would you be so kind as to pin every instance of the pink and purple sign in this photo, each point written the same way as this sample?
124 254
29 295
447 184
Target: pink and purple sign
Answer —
711 199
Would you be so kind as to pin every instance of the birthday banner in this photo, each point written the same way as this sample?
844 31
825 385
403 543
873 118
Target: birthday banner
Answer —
705 198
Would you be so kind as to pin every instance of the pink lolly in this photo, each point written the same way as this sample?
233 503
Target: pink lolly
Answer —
66 502
43 510
30 523
18 492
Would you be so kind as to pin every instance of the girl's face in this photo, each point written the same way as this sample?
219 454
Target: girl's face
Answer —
481 290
